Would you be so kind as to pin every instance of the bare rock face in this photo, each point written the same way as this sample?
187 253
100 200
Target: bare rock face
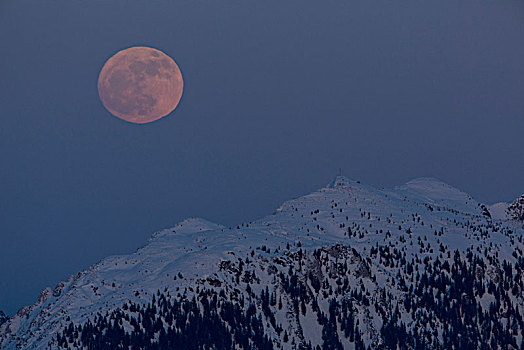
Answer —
516 209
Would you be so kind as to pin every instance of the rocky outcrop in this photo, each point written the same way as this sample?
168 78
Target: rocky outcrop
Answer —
516 209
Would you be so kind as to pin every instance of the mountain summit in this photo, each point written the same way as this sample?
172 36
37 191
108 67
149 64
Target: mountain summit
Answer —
339 181
350 266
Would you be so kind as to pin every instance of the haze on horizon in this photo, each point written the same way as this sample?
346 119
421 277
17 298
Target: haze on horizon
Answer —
277 97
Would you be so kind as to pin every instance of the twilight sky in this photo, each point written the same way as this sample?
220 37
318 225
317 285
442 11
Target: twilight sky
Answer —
278 96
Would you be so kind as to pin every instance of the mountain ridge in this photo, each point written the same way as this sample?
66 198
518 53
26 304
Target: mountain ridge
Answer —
346 219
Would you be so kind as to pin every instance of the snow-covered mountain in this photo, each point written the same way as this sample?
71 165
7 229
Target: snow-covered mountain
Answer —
422 265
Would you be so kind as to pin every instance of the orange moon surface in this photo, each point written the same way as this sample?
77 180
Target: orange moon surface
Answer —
140 85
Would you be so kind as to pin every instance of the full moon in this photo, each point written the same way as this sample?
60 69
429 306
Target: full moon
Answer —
140 85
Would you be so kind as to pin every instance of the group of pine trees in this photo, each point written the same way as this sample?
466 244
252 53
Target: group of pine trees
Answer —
206 323
439 308
3 317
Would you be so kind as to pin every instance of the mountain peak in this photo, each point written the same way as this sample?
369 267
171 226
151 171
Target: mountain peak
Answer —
339 181
188 226
434 189
426 181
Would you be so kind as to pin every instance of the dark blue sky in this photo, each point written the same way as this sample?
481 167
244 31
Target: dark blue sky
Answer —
278 96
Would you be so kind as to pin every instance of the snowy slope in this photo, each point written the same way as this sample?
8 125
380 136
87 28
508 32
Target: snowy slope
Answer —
331 236
499 211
